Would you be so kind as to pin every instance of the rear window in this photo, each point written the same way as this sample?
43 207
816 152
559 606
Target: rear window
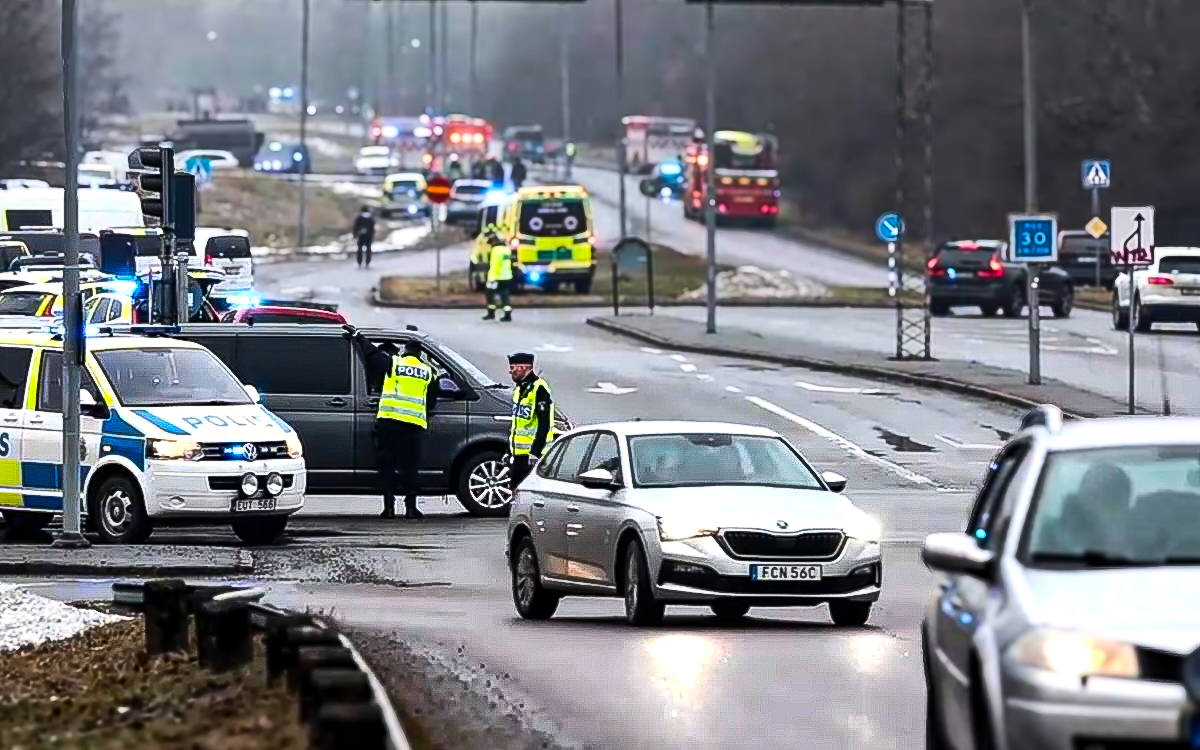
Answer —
469 189
259 317
953 256
553 218
1179 264
21 303
228 247
148 246
1077 246
16 218
407 188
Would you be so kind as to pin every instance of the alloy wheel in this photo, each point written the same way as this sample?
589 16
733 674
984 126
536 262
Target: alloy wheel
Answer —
526 577
116 512
488 484
631 580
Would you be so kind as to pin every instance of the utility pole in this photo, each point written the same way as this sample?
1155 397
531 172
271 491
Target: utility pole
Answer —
445 58
564 75
71 535
710 190
474 92
389 102
305 165
1030 120
431 79
620 115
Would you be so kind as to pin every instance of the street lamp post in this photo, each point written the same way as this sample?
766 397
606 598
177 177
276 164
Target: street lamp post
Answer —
305 165
1029 120
620 49
710 169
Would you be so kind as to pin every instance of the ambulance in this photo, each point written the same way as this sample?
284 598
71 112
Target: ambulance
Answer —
550 232
168 434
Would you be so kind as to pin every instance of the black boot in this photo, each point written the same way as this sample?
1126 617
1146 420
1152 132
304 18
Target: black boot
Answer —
389 509
507 317
410 510
491 315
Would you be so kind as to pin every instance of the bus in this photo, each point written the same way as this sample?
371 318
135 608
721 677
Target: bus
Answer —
650 140
746 179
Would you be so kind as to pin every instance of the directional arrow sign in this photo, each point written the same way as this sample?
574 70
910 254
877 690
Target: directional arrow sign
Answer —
1131 236
610 388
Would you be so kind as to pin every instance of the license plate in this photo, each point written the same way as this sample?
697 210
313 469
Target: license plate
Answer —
253 503
1189 292
743 199
785 572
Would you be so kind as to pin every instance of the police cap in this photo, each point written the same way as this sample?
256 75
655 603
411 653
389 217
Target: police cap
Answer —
520 358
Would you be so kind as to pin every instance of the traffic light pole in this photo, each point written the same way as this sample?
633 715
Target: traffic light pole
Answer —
71 535
306 164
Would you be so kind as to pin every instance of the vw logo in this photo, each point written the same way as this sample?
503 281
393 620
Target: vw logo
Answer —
781 524
250 451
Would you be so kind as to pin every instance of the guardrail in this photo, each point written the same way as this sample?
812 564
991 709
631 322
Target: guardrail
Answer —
340 699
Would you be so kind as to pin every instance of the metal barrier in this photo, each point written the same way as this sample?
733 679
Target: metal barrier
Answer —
340 699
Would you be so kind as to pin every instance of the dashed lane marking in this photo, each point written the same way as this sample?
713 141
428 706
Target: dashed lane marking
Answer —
687 367
955 442
845 443
651 350
733 389
679 358
705 377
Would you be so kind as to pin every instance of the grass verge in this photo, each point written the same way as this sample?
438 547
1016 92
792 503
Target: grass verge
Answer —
100 690
266 208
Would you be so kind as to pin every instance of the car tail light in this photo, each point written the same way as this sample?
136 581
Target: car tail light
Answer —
994 270
932 268
722 207
1161 280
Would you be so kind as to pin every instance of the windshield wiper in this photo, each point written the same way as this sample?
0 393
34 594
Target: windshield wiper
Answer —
1096 559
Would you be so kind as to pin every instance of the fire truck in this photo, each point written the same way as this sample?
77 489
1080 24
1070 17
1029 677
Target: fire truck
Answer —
456 138
747 181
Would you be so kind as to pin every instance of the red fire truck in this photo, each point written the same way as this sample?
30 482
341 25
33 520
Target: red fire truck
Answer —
456 138
747 181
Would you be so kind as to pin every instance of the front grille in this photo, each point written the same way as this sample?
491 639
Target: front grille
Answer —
235 451
807 545
233 482
708 579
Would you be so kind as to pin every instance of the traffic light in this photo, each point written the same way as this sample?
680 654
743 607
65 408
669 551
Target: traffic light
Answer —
183 205
156 164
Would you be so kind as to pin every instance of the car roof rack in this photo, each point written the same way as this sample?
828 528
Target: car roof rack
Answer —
1046 415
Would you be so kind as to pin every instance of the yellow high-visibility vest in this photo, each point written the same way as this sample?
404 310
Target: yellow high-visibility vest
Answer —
500 267
525 421
405 390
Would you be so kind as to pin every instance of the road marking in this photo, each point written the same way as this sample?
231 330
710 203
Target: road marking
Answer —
705 377
611 389
687 367
840 389
679 358
651 350
845 443
554 348
955 442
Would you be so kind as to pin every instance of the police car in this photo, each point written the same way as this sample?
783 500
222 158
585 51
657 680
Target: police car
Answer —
168 434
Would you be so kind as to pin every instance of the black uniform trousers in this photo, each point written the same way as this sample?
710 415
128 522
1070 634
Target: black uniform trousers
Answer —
399 445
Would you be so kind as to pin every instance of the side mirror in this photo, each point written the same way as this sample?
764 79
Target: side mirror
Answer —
648 188
448 388
88 405
836 481
955 552
599 479
253 393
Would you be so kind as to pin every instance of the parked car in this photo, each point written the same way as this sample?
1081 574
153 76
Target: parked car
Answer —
310 377
1167 291
1085 258
1068 605
282 158
466 198
375 160
217 159
974 273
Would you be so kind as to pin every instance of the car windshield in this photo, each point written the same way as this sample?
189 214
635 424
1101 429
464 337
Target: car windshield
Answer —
479 377
169 376
228 247
1117 506
1179 264
705 459
405 188
553 218
21 303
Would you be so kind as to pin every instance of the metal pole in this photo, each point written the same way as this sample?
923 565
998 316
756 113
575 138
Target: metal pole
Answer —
1035 328
927 73
390 74
1096 212
71 535
444 62
1129 321
302 240
710 189
901 136
182 309
1030 126
474 104
434 216
621 114
431 78
565 78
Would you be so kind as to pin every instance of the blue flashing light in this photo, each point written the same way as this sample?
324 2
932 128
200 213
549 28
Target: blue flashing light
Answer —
237 451
664 193
413 208
535 277
951 273
124 286
244 300
980 533
494 196
670 168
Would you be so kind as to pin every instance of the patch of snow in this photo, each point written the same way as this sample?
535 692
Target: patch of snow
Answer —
752 281
29 619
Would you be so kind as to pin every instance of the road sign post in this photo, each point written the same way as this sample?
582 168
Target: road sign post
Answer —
1033 240
1096 175
1131 244
437 190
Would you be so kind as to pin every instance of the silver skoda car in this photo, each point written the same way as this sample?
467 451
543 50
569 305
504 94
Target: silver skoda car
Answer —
719 515
1071 603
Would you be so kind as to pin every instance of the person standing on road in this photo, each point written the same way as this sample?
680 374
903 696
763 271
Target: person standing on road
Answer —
532 417
518 173
402 419
499 277
364 234
496 172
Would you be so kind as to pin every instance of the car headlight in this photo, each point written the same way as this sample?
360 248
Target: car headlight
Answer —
248 484
183 450
864 528
294 447
674 530
274 484
1073 654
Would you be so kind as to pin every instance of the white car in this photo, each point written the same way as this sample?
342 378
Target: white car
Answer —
698 513
375 160
1167 291
466 198
217 158
227 250
97 175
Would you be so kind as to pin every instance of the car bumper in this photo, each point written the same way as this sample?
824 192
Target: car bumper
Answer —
190 489
952 294
1044 711
699 570
534 274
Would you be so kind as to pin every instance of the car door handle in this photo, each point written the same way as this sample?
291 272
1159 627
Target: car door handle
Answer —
336 401
12 418
373 401
539 503
36 420
572 508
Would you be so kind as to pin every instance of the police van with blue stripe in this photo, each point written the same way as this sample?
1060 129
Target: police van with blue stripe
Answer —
168 434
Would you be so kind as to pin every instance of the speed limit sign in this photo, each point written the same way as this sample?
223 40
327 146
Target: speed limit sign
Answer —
1032 238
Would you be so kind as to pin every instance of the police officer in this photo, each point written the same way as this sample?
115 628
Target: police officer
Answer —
532 416
499 276
402 419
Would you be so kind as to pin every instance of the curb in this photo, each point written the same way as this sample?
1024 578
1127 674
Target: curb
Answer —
879 373
244 564
378 301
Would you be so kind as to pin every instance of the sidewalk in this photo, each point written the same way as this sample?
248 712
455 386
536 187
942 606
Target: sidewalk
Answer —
958 376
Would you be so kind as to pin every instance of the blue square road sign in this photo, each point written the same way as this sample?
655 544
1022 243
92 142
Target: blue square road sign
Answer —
1097 174
1033 239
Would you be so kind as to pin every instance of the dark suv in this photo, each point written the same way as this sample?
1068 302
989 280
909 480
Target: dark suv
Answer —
310 376
973 272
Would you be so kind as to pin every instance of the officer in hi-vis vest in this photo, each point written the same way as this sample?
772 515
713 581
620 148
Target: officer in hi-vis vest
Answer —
499 276
532 416
402 420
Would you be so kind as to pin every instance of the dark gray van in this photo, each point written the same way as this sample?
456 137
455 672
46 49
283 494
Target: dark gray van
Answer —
310 376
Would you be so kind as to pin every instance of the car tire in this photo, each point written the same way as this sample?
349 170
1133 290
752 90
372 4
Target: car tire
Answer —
482 485
1120 318
532 600
641 608
118 513
1139 318
1014 304
852 614
583 286
260 530
729 611
989 310
1063 306
21 524
938 308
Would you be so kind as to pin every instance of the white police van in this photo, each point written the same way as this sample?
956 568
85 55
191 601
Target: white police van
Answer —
168 435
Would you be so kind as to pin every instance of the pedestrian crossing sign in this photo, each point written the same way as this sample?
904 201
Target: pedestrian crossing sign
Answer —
1097 174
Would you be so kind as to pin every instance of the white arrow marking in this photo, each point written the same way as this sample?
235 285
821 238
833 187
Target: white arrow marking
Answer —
688 367
610 389
733 389
705 377
840 389
955 442
651 350
554 348
679 358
